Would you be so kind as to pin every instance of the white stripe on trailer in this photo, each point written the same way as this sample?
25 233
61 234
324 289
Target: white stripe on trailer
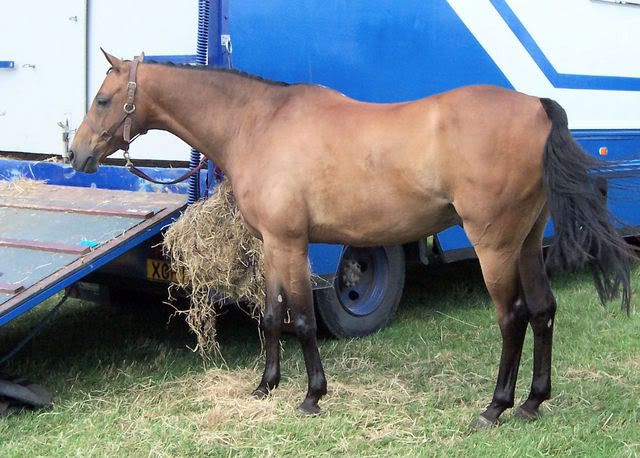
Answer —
587 109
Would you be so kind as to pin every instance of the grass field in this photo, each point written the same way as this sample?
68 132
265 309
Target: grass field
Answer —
126 384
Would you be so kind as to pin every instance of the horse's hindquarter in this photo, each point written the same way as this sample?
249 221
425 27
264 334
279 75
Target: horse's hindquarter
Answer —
495 148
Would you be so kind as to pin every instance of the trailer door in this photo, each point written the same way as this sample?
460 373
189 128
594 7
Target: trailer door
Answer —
42 72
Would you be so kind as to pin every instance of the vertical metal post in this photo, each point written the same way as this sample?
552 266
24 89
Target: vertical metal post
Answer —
219 37
219 45
201 59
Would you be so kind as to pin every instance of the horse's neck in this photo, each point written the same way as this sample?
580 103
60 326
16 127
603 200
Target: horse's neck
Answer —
206 109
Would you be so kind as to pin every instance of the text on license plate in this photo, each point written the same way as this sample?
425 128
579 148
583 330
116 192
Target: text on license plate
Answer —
159 270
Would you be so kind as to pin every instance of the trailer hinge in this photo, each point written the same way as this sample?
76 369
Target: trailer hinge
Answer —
66 134
225 42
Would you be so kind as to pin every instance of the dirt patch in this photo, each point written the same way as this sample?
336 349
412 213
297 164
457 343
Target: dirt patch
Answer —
589 374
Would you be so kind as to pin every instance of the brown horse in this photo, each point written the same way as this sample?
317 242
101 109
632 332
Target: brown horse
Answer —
308 164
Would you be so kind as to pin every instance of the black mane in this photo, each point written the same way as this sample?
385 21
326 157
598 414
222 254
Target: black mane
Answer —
208 68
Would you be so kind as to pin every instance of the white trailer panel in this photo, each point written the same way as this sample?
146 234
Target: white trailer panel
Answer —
47 85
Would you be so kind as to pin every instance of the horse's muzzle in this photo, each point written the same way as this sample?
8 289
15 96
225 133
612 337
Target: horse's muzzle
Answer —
85 163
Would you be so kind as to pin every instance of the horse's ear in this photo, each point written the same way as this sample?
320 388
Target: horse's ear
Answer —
114 61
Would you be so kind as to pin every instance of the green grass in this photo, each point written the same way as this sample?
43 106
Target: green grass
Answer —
126 384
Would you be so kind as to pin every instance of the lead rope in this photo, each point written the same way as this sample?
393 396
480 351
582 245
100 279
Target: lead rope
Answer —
140 174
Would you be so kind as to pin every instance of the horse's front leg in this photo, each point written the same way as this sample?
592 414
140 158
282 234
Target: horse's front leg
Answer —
289 285
304 320
272 325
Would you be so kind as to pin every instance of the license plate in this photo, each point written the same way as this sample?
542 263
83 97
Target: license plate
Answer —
159 270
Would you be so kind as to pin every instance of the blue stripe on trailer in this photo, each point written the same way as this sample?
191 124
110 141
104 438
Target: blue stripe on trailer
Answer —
108 177
560 80
7 64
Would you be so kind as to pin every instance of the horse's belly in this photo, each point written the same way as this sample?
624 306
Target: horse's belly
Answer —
373 224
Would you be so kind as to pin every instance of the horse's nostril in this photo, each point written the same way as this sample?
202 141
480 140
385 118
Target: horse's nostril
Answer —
71 155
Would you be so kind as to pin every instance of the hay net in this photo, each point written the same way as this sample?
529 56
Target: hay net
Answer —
217 261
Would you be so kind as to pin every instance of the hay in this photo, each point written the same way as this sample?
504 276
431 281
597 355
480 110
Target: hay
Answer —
20 185
217 261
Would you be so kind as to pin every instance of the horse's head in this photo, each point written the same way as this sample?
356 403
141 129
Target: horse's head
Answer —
113 119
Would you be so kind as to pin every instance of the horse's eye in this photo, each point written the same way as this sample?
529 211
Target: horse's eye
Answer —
102 101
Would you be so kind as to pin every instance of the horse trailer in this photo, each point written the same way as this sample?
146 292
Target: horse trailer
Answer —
98 233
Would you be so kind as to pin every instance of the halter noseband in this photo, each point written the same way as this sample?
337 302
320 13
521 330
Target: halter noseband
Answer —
128 109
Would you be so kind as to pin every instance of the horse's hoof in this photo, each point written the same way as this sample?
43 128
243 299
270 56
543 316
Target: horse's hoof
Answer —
481 422
308 408
260 393
526 414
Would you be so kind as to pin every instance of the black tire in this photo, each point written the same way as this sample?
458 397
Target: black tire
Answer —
363 299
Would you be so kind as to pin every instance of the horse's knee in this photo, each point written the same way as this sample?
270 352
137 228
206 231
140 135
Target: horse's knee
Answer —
543 314
305 327
541 304
514 320
270 322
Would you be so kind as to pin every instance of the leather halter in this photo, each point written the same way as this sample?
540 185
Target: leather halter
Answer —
129 109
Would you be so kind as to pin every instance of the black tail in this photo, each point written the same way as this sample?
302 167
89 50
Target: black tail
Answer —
584 234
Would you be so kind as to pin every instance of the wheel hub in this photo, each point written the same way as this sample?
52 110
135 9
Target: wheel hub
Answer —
351 273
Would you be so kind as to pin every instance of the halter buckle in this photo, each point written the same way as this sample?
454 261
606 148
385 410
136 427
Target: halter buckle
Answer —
129 108
128 164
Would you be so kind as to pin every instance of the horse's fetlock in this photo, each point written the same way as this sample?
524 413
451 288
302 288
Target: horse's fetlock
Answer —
540 390
502 399
272 381
321 387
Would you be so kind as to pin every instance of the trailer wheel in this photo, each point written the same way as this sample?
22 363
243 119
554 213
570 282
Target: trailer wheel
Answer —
366 291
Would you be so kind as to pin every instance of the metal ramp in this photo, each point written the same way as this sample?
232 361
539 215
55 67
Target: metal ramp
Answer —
52 236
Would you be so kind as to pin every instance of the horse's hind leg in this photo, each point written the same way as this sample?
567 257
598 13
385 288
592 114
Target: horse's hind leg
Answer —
541 307
500 272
